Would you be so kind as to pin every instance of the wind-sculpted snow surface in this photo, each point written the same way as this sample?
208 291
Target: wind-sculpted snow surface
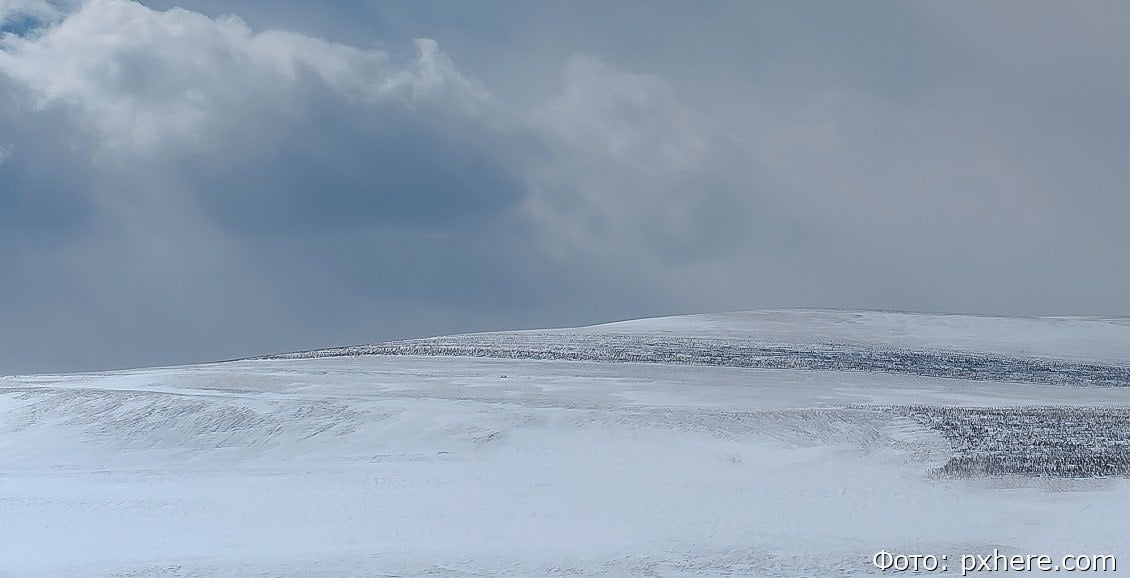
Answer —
760 444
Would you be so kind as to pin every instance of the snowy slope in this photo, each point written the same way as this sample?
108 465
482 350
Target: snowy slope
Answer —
453 465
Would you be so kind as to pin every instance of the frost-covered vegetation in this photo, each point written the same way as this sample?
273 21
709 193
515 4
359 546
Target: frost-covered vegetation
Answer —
1061 441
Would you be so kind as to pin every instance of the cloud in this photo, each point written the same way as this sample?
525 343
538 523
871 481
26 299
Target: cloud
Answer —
273 129
147 77
181 185
638 179
42 176
24 13
227 192
203 172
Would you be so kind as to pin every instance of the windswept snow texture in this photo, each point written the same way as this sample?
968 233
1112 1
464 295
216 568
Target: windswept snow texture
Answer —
547 453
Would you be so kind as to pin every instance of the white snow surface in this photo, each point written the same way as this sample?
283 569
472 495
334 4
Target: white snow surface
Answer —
409 465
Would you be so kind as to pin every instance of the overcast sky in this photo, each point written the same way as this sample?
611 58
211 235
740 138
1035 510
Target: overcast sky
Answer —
205 180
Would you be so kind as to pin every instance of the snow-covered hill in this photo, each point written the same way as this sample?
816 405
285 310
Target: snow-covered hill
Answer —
766 443
1081 339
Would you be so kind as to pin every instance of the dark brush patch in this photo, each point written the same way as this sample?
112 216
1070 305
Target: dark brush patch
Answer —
1044 441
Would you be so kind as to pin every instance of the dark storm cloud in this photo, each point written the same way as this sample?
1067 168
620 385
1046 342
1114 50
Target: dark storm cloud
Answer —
342 164
236 178
39 203
270 192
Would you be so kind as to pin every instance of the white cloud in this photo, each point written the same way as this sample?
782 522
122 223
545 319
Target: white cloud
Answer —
5 150
625 117
632 169
144 76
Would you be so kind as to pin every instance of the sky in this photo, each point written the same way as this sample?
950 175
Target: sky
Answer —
207 180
